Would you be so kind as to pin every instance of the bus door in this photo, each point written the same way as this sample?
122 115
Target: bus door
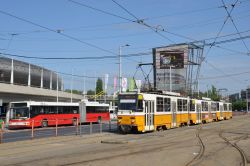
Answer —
173 108
198 113
149 115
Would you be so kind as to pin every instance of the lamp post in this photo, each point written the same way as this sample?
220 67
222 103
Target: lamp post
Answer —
120 67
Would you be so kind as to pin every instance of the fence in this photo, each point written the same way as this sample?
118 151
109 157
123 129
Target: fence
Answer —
79 129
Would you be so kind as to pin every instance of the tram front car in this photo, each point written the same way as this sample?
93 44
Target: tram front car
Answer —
130 112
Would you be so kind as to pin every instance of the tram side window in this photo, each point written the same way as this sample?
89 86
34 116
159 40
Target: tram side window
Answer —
167 105
159 101
179 104
204 106
184 105
139 106
213 106
192 105
218 106
225 107
230 107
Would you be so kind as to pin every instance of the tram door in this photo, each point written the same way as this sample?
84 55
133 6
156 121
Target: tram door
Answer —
198 113
221 112
173 108
149 115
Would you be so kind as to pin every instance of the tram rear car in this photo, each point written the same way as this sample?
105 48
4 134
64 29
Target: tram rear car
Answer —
142 112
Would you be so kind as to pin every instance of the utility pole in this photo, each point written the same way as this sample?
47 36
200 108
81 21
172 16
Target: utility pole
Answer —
170 79
247 98
120 67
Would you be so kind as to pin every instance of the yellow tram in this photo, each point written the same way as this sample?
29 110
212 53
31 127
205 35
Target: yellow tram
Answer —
143 112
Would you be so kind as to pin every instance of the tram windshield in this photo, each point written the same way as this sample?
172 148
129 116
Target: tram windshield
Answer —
130 102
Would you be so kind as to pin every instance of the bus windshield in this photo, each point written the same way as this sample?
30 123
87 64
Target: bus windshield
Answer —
20 113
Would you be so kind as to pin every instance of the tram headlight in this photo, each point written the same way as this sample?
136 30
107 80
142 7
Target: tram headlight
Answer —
119 120
132 120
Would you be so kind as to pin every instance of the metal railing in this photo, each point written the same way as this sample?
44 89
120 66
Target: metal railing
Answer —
79 129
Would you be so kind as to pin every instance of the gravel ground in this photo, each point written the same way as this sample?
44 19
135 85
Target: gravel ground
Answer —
219 143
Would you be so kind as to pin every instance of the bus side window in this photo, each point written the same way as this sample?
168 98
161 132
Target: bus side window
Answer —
41 110
59 109
75 110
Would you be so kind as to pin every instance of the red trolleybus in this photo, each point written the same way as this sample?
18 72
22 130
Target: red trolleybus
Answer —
96 112
42 114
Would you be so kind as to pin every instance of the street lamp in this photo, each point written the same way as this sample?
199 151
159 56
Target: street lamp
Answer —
120 66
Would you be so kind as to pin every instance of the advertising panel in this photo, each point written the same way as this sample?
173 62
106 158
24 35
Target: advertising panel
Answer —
170 67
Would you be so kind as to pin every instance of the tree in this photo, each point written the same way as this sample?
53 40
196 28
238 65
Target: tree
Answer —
212 93
74 91
99 85
239 105
90 92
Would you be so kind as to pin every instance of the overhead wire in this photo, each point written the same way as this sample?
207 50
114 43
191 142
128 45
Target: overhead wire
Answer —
142 22
62 34
222 27
76 58
137 21
224 76
217 69
231 18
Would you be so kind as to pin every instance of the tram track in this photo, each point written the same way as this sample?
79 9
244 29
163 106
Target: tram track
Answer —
242 154
202 148
127 150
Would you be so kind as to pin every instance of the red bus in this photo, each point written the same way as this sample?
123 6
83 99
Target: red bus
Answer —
43 114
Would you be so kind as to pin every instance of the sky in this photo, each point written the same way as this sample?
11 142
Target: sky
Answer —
68 29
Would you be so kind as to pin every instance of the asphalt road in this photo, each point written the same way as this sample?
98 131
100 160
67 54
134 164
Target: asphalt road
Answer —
26 134
218 144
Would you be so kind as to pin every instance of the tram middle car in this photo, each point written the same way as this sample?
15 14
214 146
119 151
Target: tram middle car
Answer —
142 112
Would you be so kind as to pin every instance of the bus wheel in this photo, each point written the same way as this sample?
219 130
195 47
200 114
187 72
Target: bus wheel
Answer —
74 122
44 123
